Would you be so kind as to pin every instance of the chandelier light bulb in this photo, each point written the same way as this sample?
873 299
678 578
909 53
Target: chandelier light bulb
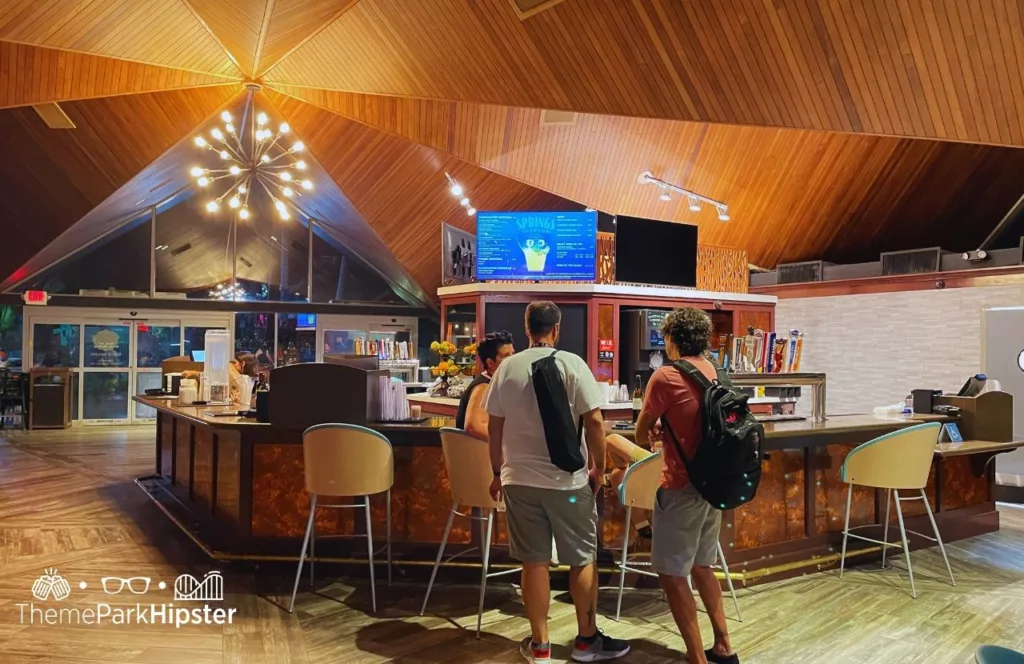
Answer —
307 185
225 116
280 206
301 165
284 128
470 211
230 127
456 189
234 202
261 118
196 171
285 175
242 189
224 155
284 215
202 182
234 170
298 146
200 142
212 206
265 158
287 191
243 213
217 133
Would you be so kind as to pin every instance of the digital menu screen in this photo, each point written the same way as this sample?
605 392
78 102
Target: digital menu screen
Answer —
536 246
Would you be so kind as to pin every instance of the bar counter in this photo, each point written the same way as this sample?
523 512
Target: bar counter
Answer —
236 486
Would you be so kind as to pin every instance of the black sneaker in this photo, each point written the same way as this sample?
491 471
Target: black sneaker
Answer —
535 653
598 648
715 658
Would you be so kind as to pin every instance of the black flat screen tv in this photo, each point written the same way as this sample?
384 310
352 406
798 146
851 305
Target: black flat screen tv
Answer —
659 253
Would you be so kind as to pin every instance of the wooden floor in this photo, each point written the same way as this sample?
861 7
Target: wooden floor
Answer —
67 501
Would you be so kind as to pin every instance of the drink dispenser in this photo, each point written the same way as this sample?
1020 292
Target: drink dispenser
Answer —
216 375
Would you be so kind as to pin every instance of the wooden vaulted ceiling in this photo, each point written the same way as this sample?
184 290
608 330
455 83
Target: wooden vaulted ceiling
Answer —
833 128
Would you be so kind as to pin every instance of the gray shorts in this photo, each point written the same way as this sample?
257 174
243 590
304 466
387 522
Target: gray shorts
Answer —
536 516
686 529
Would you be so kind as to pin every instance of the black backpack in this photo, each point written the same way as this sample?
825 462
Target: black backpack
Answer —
563 436
726 468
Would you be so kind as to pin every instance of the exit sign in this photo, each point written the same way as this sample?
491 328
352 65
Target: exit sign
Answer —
35 297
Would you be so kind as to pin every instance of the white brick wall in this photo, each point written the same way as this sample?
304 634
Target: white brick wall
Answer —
876 348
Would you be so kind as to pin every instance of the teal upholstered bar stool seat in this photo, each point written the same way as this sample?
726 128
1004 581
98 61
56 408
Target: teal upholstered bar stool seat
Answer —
998 655
899 461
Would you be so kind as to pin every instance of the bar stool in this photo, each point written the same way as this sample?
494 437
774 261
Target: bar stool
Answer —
348 461
638 491
998 655
895 461
468 463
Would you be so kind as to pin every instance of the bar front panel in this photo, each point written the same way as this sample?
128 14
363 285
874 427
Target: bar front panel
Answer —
202 474
166 430
830 492
961 485
228 476
778 512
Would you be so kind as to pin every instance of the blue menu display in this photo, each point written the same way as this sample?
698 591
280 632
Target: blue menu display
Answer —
536 246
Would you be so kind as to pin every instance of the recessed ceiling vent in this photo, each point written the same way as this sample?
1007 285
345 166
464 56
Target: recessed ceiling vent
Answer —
915 261
799 273
54 116
527 8
557 118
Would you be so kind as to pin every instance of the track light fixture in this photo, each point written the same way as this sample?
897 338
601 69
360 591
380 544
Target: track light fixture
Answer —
695 199
459 192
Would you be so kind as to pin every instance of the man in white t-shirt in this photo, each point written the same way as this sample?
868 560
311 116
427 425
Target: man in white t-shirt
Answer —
544 502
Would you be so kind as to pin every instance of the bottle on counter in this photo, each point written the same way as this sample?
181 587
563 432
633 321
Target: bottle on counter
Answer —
262 399
638 398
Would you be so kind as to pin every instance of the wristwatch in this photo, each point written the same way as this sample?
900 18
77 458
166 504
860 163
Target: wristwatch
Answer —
497 473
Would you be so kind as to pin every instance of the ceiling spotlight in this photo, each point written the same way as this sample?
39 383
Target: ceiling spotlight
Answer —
217 133
694 204
244 213
665 196
224 155
287 191
456 189
230 127
285 175
298 146
723 213
200 142
464 202
977 255
265 158
261 118
202 182
471 211
234 170
307 185
212 206
196 171
589 209
242 189
284 128
225 116
301 165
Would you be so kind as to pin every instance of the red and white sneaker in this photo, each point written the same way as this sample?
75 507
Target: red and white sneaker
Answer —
536 653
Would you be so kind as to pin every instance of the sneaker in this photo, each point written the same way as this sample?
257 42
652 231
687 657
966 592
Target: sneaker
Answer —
535 653
598 648
715 658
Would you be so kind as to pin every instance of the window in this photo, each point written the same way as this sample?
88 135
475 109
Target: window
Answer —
339 277
55 345
254 333
10 336
296 339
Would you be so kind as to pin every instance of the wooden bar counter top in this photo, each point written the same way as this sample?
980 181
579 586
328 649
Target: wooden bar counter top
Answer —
236 486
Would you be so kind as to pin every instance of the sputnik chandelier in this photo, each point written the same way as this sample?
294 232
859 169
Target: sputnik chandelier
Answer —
264 160
228 291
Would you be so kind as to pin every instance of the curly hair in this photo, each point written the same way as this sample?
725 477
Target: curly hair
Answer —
689 328
488 347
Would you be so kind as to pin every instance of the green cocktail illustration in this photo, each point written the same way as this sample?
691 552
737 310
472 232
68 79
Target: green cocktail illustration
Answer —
536 252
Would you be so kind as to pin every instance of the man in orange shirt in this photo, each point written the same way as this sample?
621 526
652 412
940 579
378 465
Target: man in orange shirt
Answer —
685 526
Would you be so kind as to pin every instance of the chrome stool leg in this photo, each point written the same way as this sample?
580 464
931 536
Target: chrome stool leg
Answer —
885 530
302 555
728 581
906 547
486 568
440 555
846 528
938 538
369 548
388 500
625 559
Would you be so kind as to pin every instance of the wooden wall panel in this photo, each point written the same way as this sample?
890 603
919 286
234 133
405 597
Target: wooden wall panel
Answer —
792 194
161 32
52 178
33 75
294 21
926 68
237 24
399 186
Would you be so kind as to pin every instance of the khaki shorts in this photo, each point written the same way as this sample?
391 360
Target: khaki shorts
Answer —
538 516
686 529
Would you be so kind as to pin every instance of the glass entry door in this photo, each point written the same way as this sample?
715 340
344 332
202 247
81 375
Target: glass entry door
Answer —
107 351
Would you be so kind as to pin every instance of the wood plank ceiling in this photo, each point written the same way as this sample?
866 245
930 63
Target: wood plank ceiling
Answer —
833 128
